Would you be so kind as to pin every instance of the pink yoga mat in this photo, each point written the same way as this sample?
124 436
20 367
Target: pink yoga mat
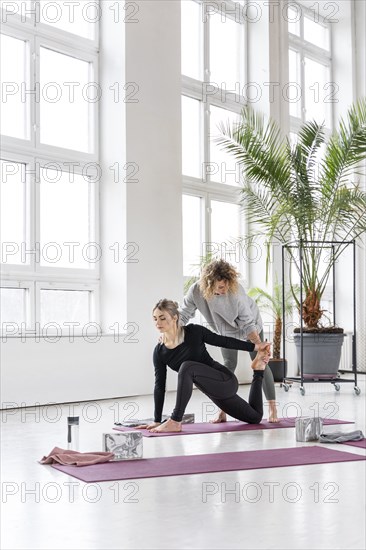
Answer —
361 444
235 426
201 464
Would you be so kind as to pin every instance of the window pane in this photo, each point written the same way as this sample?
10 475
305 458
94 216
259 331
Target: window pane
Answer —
191 234
73 16
316 34
12 306
192 51
14 121
64 110
191 137
226 52
317 91
12 211
223 166
293 92
64 218
65 306
225 228
15 7
293 19
293 138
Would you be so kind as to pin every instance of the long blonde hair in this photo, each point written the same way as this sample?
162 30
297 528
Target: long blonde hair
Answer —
218 270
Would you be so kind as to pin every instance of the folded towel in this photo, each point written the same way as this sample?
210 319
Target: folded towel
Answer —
68 457
340 437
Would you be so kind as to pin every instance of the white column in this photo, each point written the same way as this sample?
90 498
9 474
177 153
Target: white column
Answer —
153 144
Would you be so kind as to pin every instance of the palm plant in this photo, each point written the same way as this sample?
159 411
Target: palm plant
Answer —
298 192
272 303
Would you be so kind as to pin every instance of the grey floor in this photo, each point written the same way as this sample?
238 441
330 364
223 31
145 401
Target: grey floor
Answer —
320 506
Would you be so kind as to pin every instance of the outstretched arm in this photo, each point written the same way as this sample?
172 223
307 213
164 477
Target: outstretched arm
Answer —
232 343
225 341
160 383
159 391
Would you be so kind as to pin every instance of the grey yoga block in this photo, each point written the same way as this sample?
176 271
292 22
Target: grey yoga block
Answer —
124 445
308 429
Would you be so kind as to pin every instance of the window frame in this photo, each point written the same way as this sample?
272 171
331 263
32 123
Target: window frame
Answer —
28 286
206 197
94 313
53 150
320 55
10 156
204 187
91 273
32 153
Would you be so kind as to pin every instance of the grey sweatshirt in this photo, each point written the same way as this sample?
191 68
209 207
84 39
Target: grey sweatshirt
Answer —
235 315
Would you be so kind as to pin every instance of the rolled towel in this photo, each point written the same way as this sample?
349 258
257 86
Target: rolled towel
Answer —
68 457
341 437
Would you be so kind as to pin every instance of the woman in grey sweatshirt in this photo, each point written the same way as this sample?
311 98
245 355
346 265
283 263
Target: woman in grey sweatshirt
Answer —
229 311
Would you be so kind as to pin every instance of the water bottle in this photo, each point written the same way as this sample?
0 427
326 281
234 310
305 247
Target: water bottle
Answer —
73 433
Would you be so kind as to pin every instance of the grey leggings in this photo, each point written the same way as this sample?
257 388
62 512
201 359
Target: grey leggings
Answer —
230 357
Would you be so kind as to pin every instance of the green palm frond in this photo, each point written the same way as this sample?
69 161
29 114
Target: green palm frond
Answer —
272 303
258 148
302 192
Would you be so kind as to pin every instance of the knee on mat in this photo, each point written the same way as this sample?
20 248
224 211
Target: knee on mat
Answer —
256 419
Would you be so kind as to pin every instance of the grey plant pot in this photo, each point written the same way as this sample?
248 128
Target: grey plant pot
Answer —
321 355
278 368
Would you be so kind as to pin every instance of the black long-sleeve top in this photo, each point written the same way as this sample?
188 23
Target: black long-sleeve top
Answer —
191 349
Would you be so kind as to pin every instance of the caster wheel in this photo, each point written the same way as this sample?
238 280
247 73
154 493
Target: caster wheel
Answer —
357 390
337 387
302 390
286 387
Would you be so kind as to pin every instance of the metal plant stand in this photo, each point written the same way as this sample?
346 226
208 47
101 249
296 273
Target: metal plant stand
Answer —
335 380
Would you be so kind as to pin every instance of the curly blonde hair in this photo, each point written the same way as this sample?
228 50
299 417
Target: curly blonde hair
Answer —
218 270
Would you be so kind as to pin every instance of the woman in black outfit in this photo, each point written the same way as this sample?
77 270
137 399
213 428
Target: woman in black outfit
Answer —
183 350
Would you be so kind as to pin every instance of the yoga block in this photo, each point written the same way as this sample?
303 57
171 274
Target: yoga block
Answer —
308 429
124 445
188 418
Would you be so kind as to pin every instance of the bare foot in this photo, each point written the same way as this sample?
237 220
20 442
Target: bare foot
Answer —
272 412
261 360
147 426
221 417
168 426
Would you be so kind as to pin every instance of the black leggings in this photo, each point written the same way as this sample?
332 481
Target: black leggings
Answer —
220 385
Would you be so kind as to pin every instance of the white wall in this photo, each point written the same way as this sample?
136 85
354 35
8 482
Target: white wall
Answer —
67 371
147 213
350 75
359 13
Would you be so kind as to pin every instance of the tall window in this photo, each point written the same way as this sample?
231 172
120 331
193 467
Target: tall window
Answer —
49 167
213 93
311 91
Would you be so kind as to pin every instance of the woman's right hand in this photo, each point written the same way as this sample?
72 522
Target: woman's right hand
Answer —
263 346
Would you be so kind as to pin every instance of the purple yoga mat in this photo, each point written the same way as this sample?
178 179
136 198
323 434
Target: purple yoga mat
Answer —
361 443
235 426
201 464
